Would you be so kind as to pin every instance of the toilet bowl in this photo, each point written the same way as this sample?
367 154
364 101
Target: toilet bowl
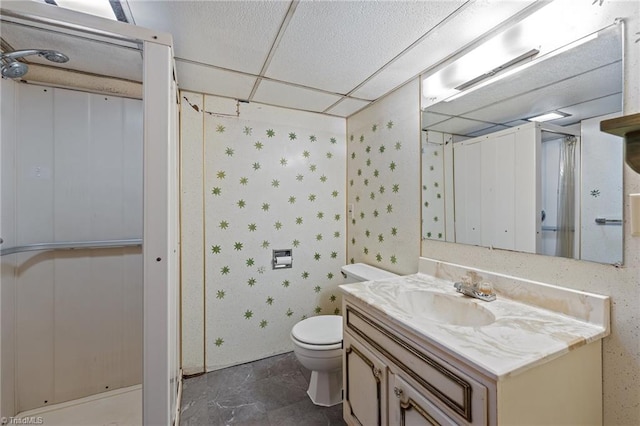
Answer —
317 343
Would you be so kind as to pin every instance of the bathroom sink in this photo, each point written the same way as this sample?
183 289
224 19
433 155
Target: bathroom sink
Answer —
444 308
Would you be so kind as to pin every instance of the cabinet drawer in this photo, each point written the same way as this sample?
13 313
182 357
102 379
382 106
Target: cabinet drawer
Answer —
449 388
408 407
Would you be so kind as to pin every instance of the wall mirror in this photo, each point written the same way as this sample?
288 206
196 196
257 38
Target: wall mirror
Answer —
495 175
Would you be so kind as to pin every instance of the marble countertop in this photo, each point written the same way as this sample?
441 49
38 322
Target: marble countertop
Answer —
521 336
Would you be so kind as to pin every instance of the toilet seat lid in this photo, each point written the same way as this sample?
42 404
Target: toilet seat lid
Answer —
320 330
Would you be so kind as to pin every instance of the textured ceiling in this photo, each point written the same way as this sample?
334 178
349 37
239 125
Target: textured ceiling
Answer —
235 35
333 57
335 45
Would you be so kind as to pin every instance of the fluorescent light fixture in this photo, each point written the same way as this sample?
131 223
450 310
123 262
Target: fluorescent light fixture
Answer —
484 60
549 116
100 8
507 53
522 67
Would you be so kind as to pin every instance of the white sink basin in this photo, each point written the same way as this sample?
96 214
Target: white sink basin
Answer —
444 308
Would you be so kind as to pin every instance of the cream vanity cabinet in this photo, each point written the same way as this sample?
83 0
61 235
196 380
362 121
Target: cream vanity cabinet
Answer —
389 380
365 378
394 377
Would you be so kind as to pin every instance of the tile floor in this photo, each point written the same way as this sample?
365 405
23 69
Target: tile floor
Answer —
268 392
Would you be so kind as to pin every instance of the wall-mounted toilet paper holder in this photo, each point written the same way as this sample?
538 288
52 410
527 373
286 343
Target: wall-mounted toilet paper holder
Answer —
282 259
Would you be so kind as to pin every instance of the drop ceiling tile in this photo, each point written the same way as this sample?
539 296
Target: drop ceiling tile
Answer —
461 126
348 106
273 93
336 45
203 79
488 130
595 108
85 55
230 34
595 84
430 118
475 19
516 123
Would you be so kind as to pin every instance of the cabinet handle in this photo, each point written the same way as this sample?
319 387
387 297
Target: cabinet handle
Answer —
398 392
377 373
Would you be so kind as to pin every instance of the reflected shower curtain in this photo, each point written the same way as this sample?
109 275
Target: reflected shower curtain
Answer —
566 199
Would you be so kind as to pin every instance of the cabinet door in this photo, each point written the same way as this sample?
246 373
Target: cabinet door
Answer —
365 385
408 407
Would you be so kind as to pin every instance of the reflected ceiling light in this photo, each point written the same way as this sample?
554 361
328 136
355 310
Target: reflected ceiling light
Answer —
517 68
485 61
549 116
529 41
527 55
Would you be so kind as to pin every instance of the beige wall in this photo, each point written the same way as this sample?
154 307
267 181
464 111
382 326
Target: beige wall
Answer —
191 235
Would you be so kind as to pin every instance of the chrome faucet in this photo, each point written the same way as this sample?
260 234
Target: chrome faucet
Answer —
482 291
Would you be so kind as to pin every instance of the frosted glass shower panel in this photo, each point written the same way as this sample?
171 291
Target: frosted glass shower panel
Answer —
78 177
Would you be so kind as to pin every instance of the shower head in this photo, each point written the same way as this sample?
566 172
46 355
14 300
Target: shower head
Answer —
14 69
51 55
54 56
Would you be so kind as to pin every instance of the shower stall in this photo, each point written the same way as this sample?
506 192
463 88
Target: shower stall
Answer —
72 222
89 289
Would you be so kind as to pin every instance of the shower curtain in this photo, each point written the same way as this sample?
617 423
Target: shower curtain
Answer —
566 198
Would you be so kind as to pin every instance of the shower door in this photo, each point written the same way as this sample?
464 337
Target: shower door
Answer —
77 177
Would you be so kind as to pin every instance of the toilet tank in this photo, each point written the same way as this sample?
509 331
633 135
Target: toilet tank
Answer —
363 272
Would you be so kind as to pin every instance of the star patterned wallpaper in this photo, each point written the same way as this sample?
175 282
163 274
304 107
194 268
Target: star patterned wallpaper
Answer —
273 179
433 185
383 170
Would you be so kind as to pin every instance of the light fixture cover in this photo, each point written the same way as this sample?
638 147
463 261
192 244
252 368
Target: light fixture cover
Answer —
514 42
549 116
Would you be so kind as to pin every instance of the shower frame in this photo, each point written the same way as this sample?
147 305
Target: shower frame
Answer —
160 248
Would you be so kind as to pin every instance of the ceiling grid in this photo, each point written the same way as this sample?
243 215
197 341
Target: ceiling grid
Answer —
330 57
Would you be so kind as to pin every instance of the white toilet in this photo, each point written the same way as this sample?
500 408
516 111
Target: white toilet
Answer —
317 343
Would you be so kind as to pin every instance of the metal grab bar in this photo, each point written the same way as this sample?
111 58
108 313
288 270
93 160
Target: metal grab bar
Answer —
72 245
605 221
554 229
